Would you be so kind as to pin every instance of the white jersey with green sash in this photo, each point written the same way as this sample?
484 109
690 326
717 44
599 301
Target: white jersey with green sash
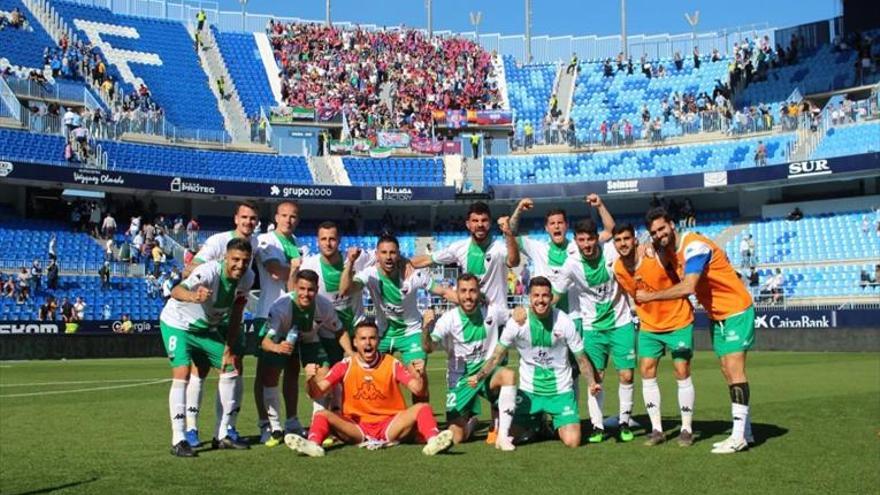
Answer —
469 340
317 320
547 259
543 345
200 317
488 263
395 300
602 304
273 246
214 248
329 274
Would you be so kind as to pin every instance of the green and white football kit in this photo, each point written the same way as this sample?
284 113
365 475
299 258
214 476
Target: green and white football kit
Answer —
547 260
488 263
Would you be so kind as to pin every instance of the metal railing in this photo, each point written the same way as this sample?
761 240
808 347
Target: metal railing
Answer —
81 267
9 105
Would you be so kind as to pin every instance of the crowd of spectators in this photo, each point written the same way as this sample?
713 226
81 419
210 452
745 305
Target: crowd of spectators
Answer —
333 70
15 20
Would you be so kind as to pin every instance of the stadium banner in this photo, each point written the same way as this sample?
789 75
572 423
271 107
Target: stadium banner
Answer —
491 117
456 119
393 139
380 152
452 147
427 145
207 187
340 147
88 327
786 172
291 114
793 317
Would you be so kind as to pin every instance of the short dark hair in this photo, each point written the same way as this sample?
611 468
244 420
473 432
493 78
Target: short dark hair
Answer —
328 224
586 226
655 213
367 322
309 275
540 282
467 277
556 211
623 227
386 237
247 204
239 244
479 208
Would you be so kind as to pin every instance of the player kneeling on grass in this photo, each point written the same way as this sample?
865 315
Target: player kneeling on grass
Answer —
373 409
469 333
543 341
291 338
212 297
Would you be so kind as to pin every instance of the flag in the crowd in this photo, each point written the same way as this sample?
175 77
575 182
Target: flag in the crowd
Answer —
380 152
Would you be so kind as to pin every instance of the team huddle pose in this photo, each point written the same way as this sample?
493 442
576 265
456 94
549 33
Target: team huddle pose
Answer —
578 318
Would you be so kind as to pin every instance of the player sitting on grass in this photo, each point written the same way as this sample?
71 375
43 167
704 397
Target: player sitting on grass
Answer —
290 338
200 325
545 378
469 333
373 408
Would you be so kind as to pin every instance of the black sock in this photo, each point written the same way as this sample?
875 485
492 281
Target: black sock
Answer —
739 393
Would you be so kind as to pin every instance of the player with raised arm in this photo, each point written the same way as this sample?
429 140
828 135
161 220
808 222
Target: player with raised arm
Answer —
374 413
602 315
201 324
291 333
395 297
469 333
705 271
664 325
247 214
486 258
544 341
278 259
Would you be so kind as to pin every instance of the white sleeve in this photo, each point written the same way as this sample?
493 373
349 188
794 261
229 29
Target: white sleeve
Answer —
202 276
562 283
609 251
246 282
278 320
330 323
365 260
510 334
572 339
423 279
267 250
441 329
362 277
210 251
446 256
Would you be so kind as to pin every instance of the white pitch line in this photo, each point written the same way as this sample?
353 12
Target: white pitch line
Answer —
93 389
85 382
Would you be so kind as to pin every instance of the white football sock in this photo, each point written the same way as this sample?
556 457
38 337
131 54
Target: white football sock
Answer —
740 416
748 431
226 394
238 393
177 410
625 398
686 397
594 406
651 394
273 407
506 408
193 401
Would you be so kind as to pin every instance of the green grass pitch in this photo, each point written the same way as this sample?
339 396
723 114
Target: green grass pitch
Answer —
101 426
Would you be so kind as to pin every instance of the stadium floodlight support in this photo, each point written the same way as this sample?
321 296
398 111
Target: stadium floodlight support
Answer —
623 45
693 21
429 6
476 17
528 31
243 14
327 8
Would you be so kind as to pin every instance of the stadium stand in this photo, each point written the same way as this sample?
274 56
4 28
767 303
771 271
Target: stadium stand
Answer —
27 240
529 89
849 139
394 171
164 57
243 61
23 46
623 96
549 169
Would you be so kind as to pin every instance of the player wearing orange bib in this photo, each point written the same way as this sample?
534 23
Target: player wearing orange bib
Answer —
373 409
664 325
705 271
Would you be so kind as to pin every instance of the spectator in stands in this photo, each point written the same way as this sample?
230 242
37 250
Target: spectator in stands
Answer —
48 310
158 257
529 135
79 309
877 274
607 68
52 275
221 87
152 285
36 277
51 250
8 289
104 274
677 60
108 250
627 131
754 280
796 214
745 252
688 214
603 131
192 232
774 287
761 154
475 144
107 313
573 65
696 58
200 19
67 312
125 325
865 279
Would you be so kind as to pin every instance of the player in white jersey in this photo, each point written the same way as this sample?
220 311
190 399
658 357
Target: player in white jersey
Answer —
603 316
291 334
480 255
278 259
469 333
395 297
200 324
546 386
247 215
